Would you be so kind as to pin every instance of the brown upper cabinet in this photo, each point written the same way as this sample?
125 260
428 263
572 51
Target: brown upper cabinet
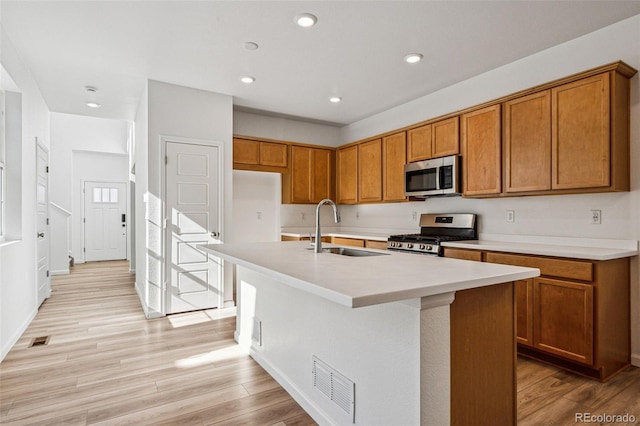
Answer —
580 133
370 171
347 167
434 140
259 155
394 157
527 143
312 176
481 160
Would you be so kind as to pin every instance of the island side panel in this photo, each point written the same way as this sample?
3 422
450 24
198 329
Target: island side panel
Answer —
483 356
377 347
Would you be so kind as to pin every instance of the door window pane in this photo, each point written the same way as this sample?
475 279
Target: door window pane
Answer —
114 195
97 195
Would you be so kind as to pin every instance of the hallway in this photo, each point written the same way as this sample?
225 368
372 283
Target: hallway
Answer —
105 363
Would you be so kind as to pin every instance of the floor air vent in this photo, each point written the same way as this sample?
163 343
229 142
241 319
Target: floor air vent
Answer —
334 386
39 341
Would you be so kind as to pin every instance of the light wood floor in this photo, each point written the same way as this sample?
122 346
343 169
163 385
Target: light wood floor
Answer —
106 364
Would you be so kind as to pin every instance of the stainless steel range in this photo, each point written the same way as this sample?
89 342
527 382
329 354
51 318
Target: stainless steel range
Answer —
434 230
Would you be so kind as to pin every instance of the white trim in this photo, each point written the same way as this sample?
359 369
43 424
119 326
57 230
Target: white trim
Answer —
6 243
60 272
18 333
164 140
41 146
60 208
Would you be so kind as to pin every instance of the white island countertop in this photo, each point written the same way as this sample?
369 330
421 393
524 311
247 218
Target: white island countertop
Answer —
364 281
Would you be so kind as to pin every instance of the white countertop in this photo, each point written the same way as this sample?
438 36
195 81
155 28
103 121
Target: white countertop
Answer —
364 281
577 248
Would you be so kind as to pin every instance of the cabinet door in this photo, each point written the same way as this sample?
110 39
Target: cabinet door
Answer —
445 138
580 134
347 159
527 143
563 319
394 157
322 181
524 312
370 171
301 174
246 151
419 143
273 154
481 151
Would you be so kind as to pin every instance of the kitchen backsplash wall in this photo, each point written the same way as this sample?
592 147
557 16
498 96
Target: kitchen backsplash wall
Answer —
558 215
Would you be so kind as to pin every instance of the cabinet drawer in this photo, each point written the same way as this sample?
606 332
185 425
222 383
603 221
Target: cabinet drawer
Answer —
347 241
456 253
573 269
381 245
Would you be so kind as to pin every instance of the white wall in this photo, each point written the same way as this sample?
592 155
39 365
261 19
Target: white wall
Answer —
18 301
256 206
278 128
559 215
183 113
82 148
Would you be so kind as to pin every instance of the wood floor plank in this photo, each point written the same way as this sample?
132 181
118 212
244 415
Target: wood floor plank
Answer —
105 363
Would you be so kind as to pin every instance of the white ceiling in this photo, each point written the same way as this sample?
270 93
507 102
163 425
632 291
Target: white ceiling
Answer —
355 51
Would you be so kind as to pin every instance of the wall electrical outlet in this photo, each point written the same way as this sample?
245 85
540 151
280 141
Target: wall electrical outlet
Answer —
414 216
596 217
357 215
511 215
259 215
302 215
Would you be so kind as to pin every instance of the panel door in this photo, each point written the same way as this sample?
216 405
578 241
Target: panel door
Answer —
193 217
301 174
370 171
347 159
42 236
481 152
394 157
563 319
105 224
580 134
322 182
527 144
446 137
524 312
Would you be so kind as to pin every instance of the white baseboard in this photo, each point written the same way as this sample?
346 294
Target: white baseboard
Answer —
300 397
635 360
6 346
147 313
60 272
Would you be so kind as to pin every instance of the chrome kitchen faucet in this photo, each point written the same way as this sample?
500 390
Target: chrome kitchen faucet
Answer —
336 215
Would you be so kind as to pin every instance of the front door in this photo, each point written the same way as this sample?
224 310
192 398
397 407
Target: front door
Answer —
42 237
105 221
193 217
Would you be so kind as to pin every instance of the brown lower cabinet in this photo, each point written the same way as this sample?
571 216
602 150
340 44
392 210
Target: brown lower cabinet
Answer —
576 315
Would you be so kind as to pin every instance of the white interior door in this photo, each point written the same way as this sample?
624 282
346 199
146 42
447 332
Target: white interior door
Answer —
42 211
105 221
193 217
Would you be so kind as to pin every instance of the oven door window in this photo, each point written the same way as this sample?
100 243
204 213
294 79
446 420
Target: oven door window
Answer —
421 180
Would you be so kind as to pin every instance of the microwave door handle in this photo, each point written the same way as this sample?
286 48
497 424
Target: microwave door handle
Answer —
439 177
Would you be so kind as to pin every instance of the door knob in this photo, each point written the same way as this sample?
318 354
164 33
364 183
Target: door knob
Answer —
215 234
40 234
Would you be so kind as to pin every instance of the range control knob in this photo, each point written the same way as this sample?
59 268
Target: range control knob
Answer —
409 245
422 246
429 247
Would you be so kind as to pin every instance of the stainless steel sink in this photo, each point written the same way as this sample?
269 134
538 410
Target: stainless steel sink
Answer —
345 251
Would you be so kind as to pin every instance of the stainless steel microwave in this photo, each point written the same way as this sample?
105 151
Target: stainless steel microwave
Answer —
437 176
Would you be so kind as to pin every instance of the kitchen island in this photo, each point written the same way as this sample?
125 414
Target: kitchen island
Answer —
393 338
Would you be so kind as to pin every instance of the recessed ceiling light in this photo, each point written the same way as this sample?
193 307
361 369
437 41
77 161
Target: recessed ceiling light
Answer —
412 58
305 20
335 99
247 79
93 105
250 45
